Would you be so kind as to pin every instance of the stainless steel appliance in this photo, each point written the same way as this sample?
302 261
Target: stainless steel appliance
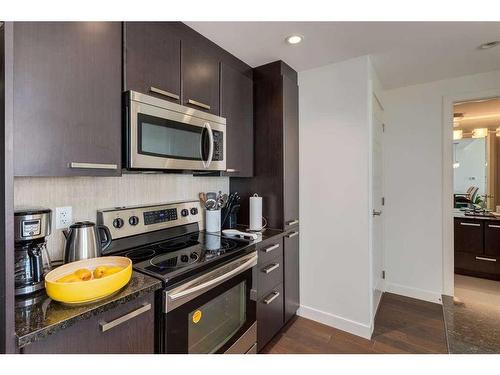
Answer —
161 135
207 304
85 240
32 261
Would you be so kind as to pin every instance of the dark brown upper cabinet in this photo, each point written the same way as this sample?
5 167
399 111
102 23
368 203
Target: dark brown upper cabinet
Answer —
200 77
152 57
67 98
237 108
276 147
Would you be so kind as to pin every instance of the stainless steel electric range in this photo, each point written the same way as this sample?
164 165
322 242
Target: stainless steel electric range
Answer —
207 304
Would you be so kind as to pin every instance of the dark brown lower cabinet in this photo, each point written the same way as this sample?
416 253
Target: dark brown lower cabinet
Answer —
126 329
269 315
291 274
492 239
468 236
483 266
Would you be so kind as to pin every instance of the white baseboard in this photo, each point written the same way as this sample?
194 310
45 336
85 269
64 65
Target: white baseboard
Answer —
407 291
335 321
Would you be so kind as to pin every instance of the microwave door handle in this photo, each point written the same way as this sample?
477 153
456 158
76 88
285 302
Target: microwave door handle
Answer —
211 142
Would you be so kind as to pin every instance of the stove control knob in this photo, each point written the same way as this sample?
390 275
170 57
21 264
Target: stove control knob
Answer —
194 211
184 258
193 256
118 223
133 220
184 212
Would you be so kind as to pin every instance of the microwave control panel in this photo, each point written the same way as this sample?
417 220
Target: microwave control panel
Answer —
218 146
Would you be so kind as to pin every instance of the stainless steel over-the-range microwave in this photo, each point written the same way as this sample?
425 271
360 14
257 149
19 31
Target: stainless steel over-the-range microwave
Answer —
161 135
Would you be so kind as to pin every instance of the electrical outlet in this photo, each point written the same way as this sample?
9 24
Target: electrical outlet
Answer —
64 217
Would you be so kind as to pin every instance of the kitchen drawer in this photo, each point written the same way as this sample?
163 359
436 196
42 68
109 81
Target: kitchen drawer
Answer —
269 316
477 265
126 329
269 275
269 249
469 236
492 238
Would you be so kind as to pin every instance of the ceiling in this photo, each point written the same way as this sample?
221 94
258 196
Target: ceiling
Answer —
403 53
478 114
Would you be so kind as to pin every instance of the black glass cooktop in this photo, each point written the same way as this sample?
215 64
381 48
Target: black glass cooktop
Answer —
183 256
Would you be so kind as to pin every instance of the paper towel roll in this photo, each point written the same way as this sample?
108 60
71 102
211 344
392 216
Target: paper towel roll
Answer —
255 213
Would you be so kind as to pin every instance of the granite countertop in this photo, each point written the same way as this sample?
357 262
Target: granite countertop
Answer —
38 316
461 215
471 328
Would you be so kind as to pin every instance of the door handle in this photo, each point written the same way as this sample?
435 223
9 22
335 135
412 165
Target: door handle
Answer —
270 248
164 93
293 234
376 213
470 224
493 226
293 222
270 268
105 326
206 163
198 104
486 259
74 165
271 297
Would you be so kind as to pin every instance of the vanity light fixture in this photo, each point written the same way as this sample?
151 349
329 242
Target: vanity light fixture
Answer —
456 164
294 39
480 133
458 134
489 45
497 132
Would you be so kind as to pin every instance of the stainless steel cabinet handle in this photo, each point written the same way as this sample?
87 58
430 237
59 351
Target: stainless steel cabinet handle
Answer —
293 222
486 259
270 268
493 226
164 93
217 280
74 165
105 326
230 170
271 248
293 234
271 297
198 104
470 224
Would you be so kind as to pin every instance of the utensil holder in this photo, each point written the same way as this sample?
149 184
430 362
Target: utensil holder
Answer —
212 221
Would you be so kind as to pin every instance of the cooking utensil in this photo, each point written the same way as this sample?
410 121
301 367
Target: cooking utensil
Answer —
203 198
85 240
211 204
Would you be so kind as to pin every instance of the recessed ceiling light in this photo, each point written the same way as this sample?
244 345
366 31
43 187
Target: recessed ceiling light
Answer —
294 39
489 44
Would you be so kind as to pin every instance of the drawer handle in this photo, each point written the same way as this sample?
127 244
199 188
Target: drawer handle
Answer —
470 224
293 222
105 326
231 170
271 248
198 104
486 259
271 297
494 226
74 165
164 93
270 268
293 234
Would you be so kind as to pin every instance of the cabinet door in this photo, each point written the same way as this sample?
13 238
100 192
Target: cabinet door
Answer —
153 59
492 238
237 108
67 98
269 316
127 329
291 274
468 235
200 77
291 152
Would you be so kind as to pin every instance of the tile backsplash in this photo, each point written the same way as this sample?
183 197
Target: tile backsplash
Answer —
88 194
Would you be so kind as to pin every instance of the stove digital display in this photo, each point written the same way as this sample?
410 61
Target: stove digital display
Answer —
160 216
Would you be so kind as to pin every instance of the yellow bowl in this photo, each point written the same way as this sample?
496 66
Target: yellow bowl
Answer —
91 290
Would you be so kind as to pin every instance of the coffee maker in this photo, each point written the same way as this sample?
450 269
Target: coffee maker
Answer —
32 227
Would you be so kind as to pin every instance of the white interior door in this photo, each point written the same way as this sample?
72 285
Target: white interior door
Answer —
377 202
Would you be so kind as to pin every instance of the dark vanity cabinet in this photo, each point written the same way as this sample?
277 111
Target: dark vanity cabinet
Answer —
477 247
152 59
237 108
67 98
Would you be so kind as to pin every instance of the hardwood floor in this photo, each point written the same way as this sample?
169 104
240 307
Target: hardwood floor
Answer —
403 326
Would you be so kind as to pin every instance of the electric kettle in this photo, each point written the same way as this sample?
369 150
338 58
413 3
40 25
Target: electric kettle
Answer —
85 240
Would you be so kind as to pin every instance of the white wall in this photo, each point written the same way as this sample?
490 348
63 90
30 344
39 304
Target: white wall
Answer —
414 182
334 195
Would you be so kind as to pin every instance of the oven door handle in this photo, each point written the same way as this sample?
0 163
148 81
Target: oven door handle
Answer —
206 163
215 281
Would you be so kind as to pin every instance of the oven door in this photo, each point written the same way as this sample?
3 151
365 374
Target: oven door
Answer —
173 137
214 313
